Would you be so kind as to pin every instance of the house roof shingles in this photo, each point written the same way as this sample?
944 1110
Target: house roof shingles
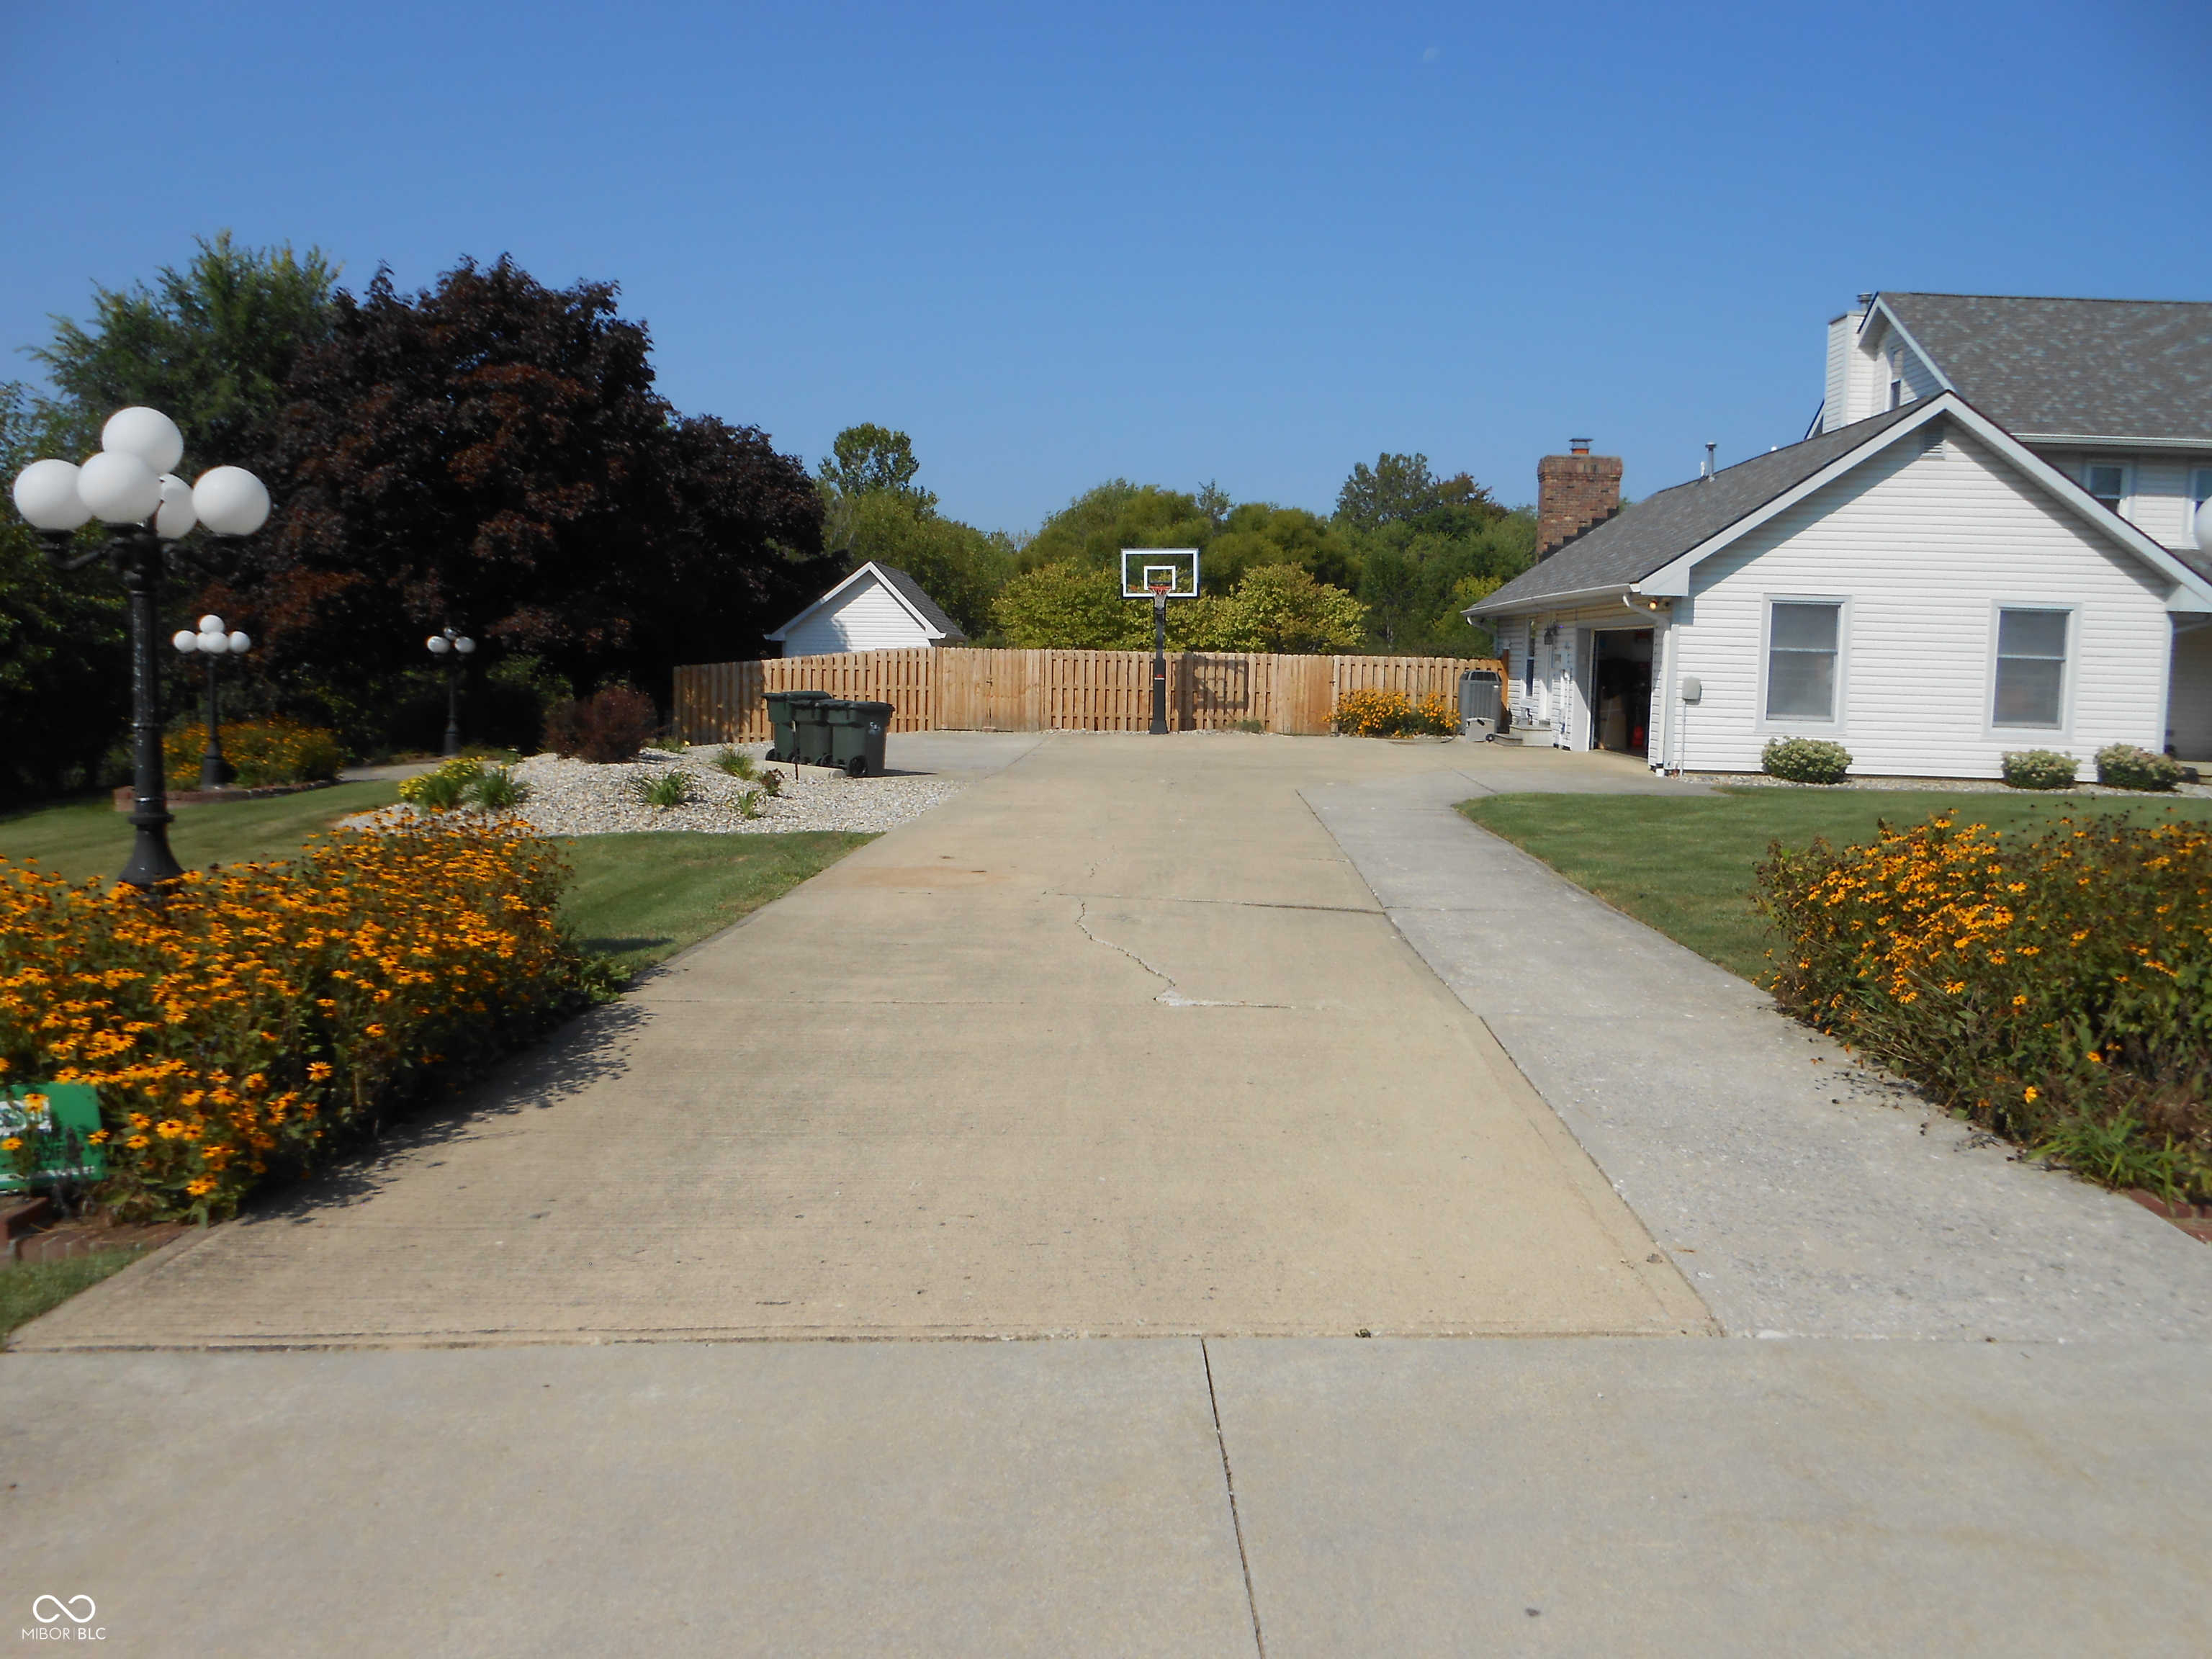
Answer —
911 591
2056 368
1662 527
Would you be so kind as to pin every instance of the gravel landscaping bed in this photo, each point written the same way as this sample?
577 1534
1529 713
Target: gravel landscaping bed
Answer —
577 797
1958 786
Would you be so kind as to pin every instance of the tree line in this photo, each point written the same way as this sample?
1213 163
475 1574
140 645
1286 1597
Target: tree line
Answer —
491 454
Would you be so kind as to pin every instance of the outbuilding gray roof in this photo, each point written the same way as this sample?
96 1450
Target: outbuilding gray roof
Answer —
911 591
1659 529
2045 369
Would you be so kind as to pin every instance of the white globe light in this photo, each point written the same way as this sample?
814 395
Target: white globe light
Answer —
46 495
175 516
119 488
231 502
438 643
464 645
210 624
214 644
239 644
185 639
2204 518
147 433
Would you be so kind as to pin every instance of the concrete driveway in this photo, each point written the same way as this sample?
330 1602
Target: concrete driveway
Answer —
1123 1041
1116 1041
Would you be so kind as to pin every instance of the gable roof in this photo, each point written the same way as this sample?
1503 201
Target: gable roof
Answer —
1623 549
902 588
1651 546
926 607
2049 369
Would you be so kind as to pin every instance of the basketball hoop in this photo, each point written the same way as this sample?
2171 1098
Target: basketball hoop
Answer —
1159 574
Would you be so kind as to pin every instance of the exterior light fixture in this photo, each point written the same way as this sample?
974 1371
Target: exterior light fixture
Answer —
452 649
212 642
130 486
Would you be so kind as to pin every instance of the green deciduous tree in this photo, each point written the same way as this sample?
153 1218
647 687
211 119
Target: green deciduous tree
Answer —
867 459
210 345
873 510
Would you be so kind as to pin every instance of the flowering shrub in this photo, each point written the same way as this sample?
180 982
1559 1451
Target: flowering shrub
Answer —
260 752
2124 766
237 1026
1805 760
2053 988
1394 714
2040 769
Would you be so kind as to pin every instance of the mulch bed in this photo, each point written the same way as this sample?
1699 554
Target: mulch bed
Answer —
125 799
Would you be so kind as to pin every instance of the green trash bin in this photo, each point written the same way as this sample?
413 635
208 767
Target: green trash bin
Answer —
810 727
856 732
782 718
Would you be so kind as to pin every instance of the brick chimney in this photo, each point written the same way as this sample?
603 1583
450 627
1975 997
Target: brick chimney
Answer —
1573 492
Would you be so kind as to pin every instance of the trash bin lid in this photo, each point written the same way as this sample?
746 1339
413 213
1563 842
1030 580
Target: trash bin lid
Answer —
803 696
879 710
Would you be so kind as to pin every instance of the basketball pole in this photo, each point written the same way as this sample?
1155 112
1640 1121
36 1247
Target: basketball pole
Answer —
1160 662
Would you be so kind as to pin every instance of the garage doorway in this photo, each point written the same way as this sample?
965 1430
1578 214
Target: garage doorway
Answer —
1620 690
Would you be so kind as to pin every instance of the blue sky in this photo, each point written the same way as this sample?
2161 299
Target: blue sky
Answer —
1172 243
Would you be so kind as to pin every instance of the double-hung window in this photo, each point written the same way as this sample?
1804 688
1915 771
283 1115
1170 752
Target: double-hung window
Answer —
2109 485
1802 637
2200 491
2031 677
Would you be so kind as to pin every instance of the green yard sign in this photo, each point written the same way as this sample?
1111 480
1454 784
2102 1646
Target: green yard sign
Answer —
55 1122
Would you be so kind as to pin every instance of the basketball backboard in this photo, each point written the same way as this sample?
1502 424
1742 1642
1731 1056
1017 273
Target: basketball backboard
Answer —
1149 570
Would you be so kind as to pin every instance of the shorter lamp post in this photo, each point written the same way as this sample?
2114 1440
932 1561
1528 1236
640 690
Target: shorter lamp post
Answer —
211 642
451 648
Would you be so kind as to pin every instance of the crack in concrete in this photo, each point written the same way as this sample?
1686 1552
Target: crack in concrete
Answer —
1241 904
1172 997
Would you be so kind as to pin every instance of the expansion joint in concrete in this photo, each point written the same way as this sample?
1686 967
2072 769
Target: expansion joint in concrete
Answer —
1236 1520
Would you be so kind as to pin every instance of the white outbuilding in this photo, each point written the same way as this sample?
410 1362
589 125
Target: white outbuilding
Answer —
876 608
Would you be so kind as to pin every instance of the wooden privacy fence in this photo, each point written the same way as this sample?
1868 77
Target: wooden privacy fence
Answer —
953 688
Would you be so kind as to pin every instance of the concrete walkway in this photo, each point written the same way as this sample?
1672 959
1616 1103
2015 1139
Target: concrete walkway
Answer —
1084 1068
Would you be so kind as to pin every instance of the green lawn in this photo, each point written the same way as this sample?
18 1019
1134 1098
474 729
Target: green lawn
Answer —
30 1288
89 837
1682 864
637 898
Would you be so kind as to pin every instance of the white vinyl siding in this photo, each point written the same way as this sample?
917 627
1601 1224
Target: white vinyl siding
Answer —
2160 489
864 617
1925 547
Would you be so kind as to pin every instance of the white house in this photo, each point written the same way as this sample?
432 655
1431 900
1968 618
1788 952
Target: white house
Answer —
876 608
1987 544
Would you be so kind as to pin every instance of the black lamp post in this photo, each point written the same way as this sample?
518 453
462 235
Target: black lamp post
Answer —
452 649
128 486
212 643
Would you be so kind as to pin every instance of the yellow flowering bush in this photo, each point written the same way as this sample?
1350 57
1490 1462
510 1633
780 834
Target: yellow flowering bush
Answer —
259 751
1394 715
2053 988
239 1026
